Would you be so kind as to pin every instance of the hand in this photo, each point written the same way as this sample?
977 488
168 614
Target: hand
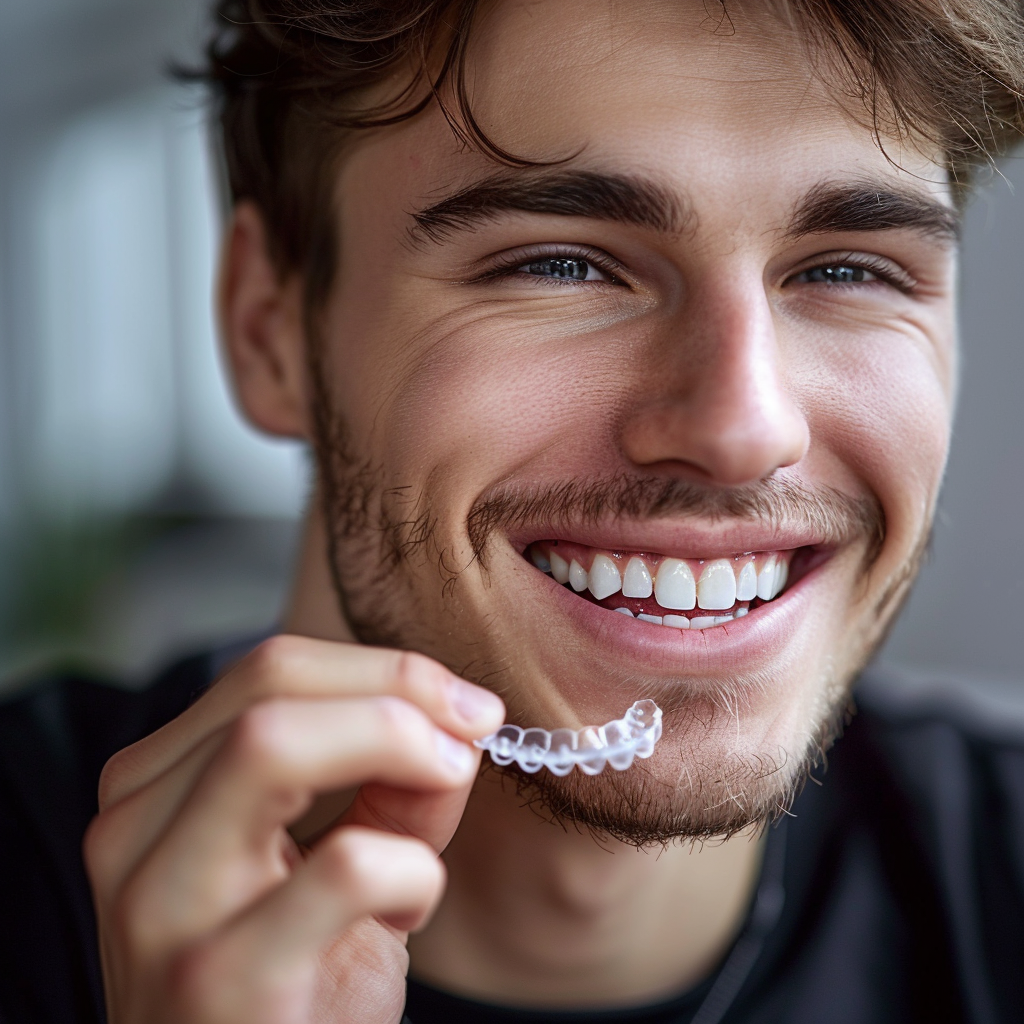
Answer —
209 911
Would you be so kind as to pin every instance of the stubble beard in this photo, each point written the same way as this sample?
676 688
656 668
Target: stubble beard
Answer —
701 783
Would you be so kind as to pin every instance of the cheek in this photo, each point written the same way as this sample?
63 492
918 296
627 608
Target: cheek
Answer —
482 400
882 409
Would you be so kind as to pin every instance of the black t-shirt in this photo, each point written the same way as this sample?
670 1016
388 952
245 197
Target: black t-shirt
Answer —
895 891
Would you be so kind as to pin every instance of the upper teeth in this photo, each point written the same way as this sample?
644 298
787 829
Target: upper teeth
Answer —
604 578
637 580
716 588
721 582
676 586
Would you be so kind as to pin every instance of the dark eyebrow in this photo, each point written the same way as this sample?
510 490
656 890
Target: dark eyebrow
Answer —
627 199
866 206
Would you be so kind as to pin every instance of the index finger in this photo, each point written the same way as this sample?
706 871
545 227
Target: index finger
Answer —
293 666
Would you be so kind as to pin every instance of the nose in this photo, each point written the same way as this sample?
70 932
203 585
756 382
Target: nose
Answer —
720 411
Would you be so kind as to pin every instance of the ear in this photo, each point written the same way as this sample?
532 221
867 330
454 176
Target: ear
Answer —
261 325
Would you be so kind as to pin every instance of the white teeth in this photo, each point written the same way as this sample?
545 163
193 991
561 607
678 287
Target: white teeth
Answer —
682 622
559 567
637 580
716 590
675 586
678 621
746 585
781 575
577 576
604 578
766 580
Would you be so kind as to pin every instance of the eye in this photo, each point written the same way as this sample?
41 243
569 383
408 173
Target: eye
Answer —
837 273
556 265
564 270
848 269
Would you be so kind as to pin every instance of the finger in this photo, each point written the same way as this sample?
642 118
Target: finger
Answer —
430 817
225 844
121 834
290 666
269 957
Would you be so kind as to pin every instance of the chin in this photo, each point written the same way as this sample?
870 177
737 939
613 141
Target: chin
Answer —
730 759
751 701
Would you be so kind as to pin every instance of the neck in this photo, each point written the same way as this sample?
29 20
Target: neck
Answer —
537 915
313 608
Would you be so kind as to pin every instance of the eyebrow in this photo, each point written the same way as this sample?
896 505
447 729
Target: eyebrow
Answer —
626 199
632 199
871 206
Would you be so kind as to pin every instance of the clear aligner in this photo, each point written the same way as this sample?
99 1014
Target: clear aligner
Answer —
616 743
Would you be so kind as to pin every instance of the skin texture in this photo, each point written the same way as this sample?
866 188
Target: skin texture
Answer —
460 414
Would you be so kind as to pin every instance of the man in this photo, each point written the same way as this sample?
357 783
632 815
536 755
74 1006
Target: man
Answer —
591 312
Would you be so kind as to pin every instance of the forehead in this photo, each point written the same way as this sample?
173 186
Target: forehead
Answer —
734 111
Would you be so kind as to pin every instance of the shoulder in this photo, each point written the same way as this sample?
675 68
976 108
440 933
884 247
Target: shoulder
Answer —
943 786
904 864
942 758
952 744
71 723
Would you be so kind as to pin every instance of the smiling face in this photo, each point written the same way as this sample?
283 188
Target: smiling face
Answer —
700 372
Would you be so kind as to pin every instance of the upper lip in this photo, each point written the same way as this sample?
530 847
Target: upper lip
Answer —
676 539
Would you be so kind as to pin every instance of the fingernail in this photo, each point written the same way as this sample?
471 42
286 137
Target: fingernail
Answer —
472 702
457 755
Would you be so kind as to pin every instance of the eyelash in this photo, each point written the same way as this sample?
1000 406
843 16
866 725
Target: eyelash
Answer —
885 270
510 265
507 264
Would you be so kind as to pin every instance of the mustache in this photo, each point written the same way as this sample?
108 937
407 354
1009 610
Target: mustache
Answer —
830 514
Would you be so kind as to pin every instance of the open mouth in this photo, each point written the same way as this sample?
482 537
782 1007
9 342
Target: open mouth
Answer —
673 592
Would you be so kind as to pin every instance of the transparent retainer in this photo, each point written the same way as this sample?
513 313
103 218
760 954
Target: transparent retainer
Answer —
561 750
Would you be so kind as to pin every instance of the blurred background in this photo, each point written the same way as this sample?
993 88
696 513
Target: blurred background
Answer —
140 518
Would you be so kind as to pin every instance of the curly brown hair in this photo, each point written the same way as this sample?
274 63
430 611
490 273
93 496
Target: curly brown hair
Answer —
289 74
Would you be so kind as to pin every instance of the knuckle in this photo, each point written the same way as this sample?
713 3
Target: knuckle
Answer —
349 860
97 846
414 671
358 863
366 873
261 736
419 676
273 665
402 722
117 776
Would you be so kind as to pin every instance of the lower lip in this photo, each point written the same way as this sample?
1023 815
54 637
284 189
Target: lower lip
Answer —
737 646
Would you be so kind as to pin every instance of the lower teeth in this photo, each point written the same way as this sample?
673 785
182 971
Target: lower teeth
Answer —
682 622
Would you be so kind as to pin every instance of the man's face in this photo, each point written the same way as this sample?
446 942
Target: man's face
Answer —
714 337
